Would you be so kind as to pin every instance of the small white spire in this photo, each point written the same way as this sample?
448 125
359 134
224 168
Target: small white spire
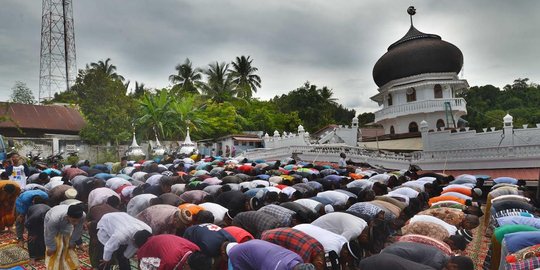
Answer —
134 142
188 138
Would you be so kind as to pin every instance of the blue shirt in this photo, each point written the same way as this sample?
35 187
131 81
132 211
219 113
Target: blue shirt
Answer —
208 237
104 176
24 201
506 180
519 220
52 172
262 255
519 240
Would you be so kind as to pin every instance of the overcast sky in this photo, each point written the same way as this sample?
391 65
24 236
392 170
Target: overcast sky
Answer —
333 43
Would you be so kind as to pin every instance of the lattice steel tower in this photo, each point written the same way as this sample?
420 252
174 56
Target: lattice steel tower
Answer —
58 66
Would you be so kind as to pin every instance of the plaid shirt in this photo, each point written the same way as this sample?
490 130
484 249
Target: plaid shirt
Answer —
255 222
282 214
529 264
297 241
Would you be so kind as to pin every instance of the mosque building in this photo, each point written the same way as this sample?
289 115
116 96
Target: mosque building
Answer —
418 80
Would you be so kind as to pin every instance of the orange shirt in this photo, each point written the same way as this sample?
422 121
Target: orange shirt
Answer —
192 208
446 198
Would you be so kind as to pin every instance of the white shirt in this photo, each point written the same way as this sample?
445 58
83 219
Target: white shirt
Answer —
138 203
346 225
18 176
427 179
407 191
336 197
216 209
450 228
289 191
258 182
116 229
275 179
178 188
116 182
329 240
139 176
457 186
100 195
415 184
363 184
312 205
53 183
273 189
382 178
154 180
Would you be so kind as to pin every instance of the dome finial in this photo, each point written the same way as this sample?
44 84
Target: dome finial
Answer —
411 10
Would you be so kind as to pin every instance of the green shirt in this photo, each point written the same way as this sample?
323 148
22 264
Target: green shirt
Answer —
502 231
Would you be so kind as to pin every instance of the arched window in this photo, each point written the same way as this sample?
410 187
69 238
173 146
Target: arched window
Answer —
437 91
389 99
411 94
413 127
392 131
440 124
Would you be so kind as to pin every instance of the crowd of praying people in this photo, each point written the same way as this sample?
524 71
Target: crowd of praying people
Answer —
223 213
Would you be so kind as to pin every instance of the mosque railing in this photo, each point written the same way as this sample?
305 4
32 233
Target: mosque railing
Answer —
523 151
426 106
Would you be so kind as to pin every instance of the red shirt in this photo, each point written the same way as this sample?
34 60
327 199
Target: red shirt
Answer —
239 234
171 250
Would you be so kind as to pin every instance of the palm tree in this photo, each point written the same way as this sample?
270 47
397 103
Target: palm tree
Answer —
156 112
326 94
187 114
107 68
220 86
139 90
187 77
243 75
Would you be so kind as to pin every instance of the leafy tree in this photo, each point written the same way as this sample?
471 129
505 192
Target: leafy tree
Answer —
69 96
219 86
365 118
20 93
316 107
265 116
486 105
104 104
243 75
220 119
187 78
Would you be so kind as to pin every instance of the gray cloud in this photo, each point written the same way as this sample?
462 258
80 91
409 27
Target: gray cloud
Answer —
332 43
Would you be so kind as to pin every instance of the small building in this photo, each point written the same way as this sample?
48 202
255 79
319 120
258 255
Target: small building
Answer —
230 145
46 129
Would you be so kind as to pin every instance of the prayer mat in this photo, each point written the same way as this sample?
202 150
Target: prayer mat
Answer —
84 259
12 255
478 249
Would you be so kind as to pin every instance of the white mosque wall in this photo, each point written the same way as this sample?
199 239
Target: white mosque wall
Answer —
286 140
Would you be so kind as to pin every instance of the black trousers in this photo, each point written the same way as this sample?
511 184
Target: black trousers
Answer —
123 262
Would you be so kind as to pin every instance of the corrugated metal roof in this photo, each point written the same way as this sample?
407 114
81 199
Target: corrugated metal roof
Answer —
518 173
247 139
49 117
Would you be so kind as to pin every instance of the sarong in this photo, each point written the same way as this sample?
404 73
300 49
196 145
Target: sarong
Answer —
64 258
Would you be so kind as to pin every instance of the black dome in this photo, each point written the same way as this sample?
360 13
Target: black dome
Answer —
414 54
